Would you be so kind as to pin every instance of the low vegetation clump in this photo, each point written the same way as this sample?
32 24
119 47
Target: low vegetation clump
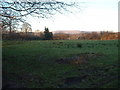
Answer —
79 45
79 59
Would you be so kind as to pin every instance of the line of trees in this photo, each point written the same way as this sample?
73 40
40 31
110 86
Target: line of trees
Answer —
27 34
87 36
47 35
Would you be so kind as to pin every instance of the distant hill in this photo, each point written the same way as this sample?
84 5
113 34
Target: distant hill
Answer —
67 31
72 31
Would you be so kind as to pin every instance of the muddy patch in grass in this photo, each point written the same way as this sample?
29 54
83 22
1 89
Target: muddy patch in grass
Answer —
72 81
91 77
79 58
12 80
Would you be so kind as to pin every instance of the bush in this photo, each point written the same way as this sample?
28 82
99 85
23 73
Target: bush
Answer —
79 45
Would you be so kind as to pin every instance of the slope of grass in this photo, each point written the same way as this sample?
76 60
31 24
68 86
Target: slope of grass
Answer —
33 64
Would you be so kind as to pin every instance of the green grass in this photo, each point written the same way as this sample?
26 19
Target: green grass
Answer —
37 60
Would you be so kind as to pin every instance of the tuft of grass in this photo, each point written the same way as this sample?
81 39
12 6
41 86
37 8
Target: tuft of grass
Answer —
79 45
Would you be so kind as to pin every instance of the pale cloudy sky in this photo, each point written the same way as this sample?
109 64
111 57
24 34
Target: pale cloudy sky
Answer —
94 15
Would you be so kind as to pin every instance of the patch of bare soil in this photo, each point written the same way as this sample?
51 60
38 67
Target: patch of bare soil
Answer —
79 58
71 81
8 82
12 80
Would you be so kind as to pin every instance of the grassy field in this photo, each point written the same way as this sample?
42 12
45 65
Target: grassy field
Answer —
60 64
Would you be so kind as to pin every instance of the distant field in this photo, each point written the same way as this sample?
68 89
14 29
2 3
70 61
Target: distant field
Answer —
60 64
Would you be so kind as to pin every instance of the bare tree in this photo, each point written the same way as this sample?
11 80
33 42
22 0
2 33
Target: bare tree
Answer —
39 8
7 23
12 11
26 27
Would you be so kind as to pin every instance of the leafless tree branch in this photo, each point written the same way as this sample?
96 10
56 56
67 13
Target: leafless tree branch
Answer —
27 8
11 10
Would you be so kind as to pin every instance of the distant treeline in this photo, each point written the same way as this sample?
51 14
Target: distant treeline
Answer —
89 36
46 35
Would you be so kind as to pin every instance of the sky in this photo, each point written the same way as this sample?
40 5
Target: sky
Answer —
93 15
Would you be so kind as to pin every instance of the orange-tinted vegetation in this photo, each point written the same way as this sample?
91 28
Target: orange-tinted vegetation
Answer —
63 36
88 36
